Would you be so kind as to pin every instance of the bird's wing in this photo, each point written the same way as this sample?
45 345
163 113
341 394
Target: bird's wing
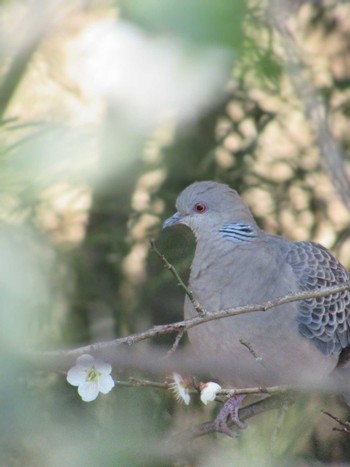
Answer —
324 320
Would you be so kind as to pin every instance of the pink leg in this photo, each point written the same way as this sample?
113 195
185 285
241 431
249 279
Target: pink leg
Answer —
229 412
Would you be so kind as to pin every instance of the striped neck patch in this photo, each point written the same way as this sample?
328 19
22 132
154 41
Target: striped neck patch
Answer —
239 233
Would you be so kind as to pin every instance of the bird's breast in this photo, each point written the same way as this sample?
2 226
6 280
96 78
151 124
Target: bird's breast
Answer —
235 276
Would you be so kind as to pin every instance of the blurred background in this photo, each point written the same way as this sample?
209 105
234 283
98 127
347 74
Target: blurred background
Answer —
108 109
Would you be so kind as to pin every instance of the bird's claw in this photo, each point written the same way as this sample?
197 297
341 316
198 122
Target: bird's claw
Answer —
230 412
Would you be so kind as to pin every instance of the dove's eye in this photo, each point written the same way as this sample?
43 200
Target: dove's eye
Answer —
200 208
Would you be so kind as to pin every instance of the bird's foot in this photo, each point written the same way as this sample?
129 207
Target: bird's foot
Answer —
229 412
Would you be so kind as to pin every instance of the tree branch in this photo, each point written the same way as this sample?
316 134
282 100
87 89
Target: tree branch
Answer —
184 325
175 345
224 392
330 151
345 425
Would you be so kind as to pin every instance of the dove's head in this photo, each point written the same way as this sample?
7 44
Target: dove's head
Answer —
208 206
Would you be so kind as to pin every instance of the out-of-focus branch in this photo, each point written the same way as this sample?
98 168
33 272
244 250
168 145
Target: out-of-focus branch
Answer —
180 326
38 21
330 151
16 71
33 28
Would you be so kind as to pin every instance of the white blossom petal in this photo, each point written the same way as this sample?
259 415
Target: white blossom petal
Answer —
185 397
105 384
209 391
88 391
85 360
177 379
103 367
180 389
76 375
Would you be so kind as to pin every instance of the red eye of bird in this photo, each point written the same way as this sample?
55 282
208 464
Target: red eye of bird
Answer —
200 208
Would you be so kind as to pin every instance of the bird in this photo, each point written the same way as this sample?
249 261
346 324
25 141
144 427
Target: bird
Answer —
236 263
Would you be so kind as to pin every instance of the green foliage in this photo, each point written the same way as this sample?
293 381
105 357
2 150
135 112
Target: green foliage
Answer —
201 21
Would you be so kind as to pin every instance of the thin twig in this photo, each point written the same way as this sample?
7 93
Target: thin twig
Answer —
175 345
137 383
197 306
255 390
248 346
345 425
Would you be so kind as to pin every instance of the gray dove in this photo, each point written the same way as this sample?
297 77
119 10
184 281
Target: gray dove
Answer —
236 263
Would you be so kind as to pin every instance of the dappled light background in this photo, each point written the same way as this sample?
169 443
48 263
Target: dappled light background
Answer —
108 110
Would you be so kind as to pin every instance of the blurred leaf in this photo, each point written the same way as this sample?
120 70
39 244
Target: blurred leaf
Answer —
26 267
51 153
202 21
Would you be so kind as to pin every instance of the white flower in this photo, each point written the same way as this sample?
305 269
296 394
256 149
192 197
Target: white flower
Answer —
209 391
180 388
91 376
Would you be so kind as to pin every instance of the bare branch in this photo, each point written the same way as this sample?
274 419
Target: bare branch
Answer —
345 425
256 390
252 351
175 345
184 325
138 383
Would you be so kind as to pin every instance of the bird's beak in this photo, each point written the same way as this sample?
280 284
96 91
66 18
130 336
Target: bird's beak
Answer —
173 220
